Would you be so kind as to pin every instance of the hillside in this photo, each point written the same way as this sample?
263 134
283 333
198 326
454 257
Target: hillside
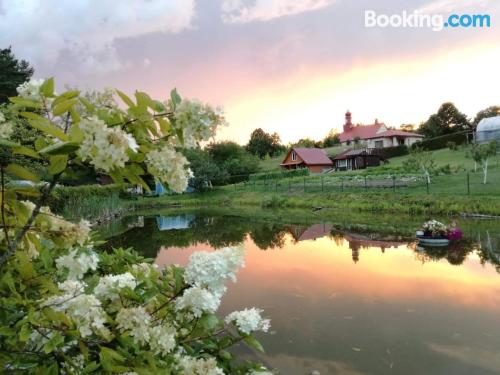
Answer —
442 157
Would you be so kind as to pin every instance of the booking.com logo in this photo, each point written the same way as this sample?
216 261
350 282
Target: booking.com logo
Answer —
436 22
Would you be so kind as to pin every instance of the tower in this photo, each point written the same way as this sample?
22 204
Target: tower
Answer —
348 121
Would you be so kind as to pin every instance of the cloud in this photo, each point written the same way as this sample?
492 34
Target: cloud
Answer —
446 6
239 11
49 31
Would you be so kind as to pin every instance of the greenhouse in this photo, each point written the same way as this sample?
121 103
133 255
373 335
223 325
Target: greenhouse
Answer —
488 129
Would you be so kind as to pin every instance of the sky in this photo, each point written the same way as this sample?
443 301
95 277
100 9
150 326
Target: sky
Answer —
287 66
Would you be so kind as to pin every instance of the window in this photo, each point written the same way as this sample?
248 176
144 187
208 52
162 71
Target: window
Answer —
379 144
342 163
294 155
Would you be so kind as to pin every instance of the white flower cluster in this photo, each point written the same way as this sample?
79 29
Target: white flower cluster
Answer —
211 269
105 147
60 230
435 227
199 366
198 300
260 372
78 263
207 272
84 309
6 128
144 269
109 286
137 322
169 166
198 121
249 320
30 89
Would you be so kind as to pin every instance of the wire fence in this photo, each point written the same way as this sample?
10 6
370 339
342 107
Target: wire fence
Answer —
465 183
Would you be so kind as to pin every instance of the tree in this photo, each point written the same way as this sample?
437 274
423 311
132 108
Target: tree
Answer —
13 72
332 139
491 111
420 160
305 142
206 172
447 120
233 158
407 127
69 309
262 144
481 153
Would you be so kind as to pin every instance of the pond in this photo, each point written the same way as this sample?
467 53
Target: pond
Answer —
345 301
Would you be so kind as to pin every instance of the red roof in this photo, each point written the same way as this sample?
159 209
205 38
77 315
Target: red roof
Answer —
373 131
311 156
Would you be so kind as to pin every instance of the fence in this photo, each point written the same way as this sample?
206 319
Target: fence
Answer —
465 183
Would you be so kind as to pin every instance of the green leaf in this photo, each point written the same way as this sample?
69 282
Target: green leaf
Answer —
179 279
164 125
110 358
9 144
176 98
21 172
56 317
57 164
65 96
60 148
125 98
40 143
252 342
47 127
76 134
47 88
28 103
25 333
64 107
53 343
209 322
21 150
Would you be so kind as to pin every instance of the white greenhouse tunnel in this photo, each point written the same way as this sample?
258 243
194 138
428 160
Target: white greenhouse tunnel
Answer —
488 129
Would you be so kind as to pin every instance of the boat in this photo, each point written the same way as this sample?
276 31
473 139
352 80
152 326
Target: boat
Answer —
431 241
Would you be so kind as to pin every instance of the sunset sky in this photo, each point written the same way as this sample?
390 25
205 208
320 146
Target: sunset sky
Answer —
290 66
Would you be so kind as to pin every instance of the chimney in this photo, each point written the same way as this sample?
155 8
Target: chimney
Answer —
376 121
348 121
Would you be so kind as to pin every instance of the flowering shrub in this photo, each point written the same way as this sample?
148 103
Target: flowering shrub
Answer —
435 228
64 307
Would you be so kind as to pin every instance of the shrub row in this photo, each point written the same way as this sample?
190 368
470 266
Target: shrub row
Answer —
392 152
279 174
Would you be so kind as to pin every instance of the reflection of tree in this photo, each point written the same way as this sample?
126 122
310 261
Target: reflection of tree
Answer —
455 254
269 236
216 231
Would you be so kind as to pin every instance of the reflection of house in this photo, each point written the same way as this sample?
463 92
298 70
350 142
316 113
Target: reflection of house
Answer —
359 241
376 135
356 159
174 222
304 233
315 159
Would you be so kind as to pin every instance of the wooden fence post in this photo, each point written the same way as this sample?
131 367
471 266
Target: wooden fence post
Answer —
322 184
394 183
304 184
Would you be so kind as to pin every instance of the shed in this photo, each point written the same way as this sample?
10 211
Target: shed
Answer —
356 159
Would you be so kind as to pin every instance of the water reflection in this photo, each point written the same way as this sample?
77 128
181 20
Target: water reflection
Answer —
350 302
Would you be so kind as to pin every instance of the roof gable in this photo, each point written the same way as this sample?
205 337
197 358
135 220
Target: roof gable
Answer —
310 156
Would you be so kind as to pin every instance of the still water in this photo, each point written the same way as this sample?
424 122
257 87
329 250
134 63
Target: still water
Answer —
344 302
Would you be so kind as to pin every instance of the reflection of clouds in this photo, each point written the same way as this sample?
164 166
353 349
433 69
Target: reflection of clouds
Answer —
290 365
470 355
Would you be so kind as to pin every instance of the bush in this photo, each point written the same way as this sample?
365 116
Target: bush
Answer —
279 175
452 145
442 141
392 152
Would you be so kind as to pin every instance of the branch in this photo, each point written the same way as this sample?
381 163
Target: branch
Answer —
5 230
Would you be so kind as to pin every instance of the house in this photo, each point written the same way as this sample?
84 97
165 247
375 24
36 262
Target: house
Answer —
312 232
376 135
315 159
357 159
